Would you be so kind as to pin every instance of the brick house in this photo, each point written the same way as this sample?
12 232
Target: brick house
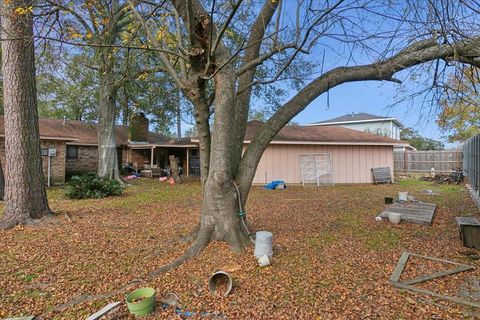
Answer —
70 147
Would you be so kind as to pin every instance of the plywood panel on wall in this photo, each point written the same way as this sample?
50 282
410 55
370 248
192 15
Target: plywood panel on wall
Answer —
351 164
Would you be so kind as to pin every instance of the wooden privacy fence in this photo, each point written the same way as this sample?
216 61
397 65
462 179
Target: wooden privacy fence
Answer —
471 161
443 161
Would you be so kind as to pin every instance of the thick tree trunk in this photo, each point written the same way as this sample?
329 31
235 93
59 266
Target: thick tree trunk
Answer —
25 196
221 218
107 145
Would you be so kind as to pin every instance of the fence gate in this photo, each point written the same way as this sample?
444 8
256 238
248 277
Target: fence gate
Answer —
316 169
471 161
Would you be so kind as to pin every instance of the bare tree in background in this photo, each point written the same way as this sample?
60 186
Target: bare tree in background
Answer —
25 196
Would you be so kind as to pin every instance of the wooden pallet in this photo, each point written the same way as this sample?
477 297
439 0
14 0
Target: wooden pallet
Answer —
415 212
382 175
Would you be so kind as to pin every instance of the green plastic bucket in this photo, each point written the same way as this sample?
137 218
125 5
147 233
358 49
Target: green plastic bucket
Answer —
143 307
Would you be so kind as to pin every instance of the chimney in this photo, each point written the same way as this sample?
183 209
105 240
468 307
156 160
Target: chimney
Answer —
64 119
138 128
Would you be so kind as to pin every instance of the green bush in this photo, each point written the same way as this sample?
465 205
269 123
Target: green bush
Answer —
92 186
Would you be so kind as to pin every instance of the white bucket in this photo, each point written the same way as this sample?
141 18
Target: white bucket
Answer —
263 244
403 196
394 217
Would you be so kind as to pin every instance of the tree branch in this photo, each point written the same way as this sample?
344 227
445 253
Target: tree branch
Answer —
80 19
264 57
298 48
168 66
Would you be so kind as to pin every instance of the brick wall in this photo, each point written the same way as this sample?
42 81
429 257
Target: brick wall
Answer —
87 161
57 163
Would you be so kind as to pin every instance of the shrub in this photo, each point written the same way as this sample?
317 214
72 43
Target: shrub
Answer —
92 186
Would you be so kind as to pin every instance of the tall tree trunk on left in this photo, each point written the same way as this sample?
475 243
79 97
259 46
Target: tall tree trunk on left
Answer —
25 196
107 145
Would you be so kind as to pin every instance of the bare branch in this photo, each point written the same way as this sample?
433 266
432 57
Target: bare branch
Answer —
299 48
168 65
259 60
224 27
183 68
80 19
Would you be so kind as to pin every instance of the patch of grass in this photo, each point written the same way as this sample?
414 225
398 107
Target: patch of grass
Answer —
382 240
26 277
350 221
352 225
322 239
413 182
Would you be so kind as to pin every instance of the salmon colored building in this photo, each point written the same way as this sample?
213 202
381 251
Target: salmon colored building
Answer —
352 153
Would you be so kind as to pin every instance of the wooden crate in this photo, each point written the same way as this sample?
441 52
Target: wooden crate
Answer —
469 228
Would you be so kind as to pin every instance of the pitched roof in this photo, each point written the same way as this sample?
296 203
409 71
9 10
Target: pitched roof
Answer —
321 135
83 133
356 117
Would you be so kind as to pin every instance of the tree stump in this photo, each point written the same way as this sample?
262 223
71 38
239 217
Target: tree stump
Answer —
174 169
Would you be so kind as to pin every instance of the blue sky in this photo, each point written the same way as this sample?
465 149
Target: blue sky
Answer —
371 97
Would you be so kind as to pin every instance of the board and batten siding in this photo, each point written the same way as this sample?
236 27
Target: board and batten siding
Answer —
351 164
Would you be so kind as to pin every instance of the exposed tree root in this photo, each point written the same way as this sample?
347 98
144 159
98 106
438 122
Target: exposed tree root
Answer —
9 223
191 236
12 223
203 239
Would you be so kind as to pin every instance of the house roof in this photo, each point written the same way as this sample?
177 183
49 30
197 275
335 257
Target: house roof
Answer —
83 133
356 118
321 135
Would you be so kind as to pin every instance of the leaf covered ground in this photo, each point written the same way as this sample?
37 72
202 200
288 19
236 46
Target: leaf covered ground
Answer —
332 259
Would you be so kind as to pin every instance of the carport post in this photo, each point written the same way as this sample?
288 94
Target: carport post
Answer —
188 161
151 156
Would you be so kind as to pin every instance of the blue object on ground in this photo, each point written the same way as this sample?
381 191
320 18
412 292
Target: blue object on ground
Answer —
273 185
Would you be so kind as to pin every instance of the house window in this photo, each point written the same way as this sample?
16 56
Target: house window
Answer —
72 152
194 152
